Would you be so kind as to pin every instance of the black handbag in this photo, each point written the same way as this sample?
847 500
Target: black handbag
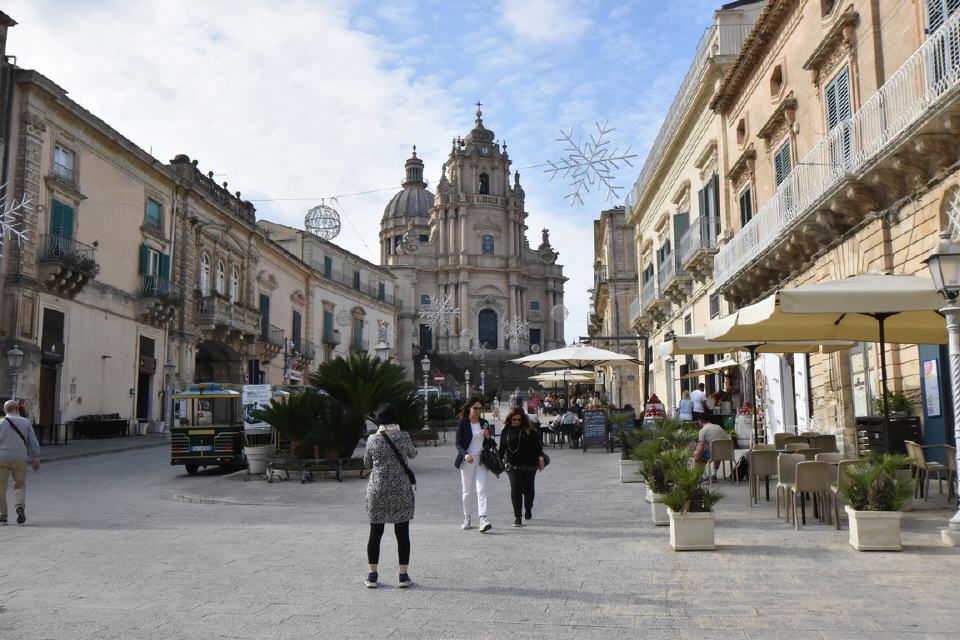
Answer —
408 470
546 460
490 459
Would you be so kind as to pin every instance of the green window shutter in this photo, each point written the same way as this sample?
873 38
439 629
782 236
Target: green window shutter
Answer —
746 207
144 259
61 220
164 266
327 267
782 163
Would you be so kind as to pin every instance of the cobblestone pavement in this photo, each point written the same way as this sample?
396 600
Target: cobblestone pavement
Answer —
124 546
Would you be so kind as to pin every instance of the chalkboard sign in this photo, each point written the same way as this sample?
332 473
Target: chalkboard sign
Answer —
594 428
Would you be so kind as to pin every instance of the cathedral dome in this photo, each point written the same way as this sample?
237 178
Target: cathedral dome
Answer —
414 200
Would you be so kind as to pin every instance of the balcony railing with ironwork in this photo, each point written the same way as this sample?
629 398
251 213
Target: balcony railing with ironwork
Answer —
63 173
273 336
56 246
215 310
359 346
702 235
634 310
649 293
363 287
157 287
667 272
307 350
717 40
330 337
917 87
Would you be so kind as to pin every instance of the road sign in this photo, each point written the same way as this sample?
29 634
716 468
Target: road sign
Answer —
439 379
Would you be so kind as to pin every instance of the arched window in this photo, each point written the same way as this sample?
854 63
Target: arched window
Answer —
487 329
221 277
486 245
204 274
484 183
234 285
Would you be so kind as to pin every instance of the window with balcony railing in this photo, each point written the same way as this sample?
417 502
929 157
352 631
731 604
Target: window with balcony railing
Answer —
153 217
64 164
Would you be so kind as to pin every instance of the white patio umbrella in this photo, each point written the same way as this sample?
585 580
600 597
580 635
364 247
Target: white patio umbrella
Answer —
565 374
577 357
871 308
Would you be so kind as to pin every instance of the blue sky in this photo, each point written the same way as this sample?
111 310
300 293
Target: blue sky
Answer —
292 100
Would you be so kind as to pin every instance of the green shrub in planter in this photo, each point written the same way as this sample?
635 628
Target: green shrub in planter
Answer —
875 486
898 402
687 494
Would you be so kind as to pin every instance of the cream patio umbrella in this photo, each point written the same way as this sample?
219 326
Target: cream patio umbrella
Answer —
581 375
870 308
695 344
577 356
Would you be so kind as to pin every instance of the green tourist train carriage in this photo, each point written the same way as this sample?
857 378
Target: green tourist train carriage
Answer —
209 428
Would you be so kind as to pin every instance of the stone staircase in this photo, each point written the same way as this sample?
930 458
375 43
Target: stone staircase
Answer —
500 372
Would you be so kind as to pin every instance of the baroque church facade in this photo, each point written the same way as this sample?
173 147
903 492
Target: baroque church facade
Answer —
468 244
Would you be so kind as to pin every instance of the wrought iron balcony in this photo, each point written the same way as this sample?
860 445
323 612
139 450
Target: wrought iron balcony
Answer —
221 316
867 161
65 264
364 288
307 350
698 245
161 300
674 283
64 174
653 306
717 40
157 287
331 337
634 311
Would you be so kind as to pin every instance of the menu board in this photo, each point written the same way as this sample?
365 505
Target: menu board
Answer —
594 428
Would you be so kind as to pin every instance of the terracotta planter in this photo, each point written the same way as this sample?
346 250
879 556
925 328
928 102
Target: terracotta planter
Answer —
628 471
658 511
691 531
874 530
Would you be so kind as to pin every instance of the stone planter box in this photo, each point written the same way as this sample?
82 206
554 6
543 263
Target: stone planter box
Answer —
650 495
258 457
628 471
874 530
691 531
658 511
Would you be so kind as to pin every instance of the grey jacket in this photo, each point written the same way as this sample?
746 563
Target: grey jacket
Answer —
12 448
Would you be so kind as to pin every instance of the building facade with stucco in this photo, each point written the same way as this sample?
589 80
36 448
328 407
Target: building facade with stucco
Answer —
468 243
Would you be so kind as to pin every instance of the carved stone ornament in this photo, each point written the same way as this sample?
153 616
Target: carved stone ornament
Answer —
298 298
743 168
267 280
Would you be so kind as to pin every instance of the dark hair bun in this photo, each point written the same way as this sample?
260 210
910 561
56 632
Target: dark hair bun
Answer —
387 414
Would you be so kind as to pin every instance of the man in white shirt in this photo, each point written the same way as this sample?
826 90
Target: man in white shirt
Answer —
699 398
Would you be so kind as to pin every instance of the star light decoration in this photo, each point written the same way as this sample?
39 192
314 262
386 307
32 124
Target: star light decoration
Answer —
516 329
11 217
439 312
589 163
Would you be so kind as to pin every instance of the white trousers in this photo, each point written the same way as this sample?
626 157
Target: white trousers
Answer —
473 478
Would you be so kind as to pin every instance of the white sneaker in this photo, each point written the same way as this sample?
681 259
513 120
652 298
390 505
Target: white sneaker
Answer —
484 524
466 523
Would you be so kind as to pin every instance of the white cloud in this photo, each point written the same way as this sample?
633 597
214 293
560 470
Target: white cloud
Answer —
544 21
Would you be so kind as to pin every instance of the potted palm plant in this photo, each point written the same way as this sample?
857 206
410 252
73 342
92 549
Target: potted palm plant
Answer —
655 466
875 496
690 508
629 465
654 437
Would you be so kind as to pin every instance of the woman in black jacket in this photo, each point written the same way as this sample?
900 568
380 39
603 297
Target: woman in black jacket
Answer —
522 455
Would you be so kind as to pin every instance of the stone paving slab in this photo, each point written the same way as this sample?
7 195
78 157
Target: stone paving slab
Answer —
101 446
109 553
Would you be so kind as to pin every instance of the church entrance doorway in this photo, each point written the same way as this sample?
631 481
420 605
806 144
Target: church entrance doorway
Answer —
487 329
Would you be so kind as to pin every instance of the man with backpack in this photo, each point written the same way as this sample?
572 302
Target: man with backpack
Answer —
18 446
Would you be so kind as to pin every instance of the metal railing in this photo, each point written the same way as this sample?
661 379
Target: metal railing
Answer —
158 287
217 310
331 338
56 246
634 310
916 87
667 272
63 173
306 349
717 40
272 336
649 293
702 234
359 346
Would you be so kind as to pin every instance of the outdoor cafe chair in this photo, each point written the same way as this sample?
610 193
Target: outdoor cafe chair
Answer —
809 453
780 439
722 451
811 478
764 446
825 442
793 446
796 440
831 458
763 464
918 458
952 475
568 433
809 434
836 488
786 475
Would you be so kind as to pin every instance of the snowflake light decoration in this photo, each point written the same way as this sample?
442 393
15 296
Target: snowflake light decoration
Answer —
11 217
439 313
589 163
516 329
559 312
480 351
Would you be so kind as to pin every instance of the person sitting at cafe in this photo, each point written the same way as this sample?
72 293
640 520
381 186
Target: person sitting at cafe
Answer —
708 433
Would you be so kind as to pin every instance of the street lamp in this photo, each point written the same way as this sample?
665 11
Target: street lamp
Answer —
14 362
944 265
382 351
466 377
425 365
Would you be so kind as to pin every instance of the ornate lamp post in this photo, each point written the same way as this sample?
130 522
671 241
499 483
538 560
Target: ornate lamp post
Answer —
14 362
425 365
466 378
944 265
382 351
